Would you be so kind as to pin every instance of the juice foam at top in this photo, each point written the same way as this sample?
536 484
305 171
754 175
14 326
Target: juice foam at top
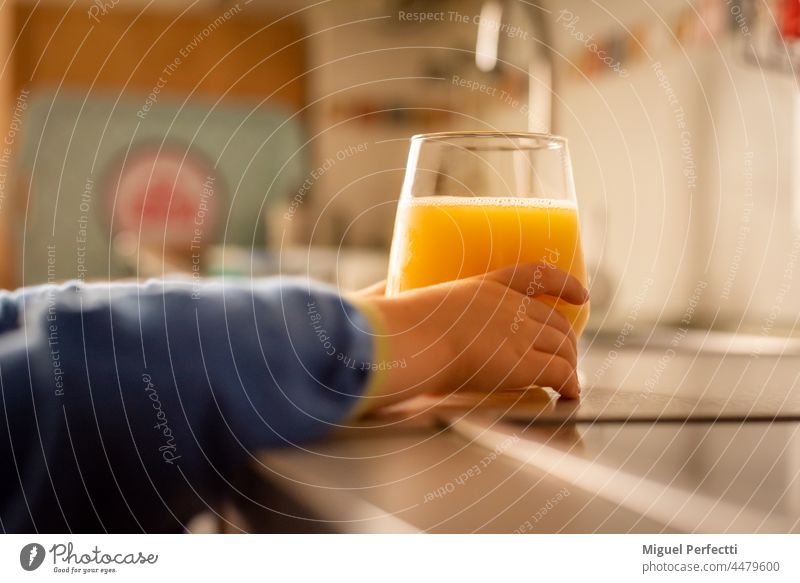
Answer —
493 201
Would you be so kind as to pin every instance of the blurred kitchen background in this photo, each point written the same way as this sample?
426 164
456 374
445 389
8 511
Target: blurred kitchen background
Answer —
255 137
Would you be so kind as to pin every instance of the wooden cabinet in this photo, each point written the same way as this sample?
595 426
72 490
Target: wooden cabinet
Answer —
229 52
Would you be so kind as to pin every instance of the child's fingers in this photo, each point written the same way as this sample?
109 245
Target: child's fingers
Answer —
545 370
535 279
555 372
547 339
547 314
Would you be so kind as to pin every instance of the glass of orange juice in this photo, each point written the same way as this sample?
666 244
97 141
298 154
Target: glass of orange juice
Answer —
473 202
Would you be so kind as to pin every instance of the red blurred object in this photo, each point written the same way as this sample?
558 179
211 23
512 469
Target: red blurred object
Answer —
164 195
790 19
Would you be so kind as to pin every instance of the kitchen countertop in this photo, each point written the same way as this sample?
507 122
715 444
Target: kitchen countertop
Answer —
727 458
602 477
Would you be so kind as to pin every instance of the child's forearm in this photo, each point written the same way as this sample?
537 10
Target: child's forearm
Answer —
130 407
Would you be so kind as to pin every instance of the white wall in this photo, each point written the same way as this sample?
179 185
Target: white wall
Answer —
641 216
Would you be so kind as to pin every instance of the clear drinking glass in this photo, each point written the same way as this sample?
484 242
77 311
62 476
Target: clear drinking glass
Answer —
473 202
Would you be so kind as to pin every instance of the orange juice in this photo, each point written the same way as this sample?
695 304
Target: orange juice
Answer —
442 238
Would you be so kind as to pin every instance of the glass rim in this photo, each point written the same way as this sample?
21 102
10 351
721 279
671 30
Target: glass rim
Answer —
545 138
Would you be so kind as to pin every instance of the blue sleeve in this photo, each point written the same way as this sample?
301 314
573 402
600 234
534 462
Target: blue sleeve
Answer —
129 408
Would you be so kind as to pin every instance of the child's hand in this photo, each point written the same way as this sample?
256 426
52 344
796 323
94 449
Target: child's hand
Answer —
480 333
